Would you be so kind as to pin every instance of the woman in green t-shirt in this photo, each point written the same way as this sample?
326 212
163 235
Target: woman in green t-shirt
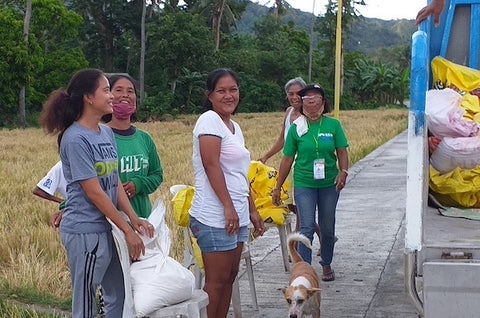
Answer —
319 147
139 166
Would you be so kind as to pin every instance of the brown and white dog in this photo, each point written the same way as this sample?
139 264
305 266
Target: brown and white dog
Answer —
303 293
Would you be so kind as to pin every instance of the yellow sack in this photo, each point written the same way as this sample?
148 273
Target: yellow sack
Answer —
181 203
462 79
262 180
460 185
197 253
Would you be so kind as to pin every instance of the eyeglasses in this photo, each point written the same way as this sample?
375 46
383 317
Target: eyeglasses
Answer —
311 98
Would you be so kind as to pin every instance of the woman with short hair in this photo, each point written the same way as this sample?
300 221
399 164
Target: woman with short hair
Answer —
319 147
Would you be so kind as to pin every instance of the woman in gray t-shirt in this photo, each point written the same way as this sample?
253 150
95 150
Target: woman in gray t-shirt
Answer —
89 157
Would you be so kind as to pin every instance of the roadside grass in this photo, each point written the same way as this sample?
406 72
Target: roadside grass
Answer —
27 295
11 310
33 267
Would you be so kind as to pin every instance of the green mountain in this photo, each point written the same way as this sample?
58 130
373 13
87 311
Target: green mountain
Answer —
366 35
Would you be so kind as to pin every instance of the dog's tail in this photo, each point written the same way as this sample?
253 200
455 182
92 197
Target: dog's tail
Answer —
296 237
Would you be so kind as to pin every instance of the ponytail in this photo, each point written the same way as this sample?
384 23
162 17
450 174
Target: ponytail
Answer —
56 115
64 106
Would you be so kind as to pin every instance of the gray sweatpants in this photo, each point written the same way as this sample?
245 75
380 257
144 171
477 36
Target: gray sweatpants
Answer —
93 261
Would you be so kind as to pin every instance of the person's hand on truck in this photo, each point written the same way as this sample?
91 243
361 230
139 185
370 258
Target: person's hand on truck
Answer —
435 7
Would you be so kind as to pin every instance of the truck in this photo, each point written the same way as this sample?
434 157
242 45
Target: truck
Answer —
442 254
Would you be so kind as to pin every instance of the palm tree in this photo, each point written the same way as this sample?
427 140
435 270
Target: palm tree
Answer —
280 7
143 40
220 13
216 20
21 99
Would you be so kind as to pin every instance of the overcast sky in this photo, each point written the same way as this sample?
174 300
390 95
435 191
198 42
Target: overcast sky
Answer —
382 9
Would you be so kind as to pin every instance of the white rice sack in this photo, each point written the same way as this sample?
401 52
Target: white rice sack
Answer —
444 115
158 282
462 152
161 237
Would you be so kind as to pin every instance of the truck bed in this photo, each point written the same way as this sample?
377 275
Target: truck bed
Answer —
442 254
449 232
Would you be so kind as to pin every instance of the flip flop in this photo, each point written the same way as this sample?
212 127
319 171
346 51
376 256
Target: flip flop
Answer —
328 277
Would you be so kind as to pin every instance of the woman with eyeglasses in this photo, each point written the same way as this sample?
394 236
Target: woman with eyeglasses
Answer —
292 88
319 147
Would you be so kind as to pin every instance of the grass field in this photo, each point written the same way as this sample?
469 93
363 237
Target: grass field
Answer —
33 266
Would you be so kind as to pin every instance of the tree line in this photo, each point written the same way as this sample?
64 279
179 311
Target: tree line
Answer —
170 47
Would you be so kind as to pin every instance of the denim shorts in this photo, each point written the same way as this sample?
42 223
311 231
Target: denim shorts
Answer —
214 239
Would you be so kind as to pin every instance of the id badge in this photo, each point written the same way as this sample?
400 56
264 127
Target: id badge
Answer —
319 169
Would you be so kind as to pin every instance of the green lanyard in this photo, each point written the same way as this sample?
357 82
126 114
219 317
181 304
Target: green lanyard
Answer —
315 137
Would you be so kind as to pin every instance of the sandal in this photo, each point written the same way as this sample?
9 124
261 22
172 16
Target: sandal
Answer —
329 276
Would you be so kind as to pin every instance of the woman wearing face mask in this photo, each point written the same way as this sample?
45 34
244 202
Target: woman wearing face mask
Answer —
319 147
138 162
292 88
139 166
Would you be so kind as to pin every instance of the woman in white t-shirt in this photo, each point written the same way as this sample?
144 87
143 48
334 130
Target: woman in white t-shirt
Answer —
221 207
51 183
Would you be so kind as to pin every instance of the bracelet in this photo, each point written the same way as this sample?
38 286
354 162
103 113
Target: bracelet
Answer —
346 171
275 189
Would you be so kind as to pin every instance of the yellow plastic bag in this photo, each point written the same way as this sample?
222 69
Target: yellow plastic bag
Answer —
197 253
181 203
460 185
462 79
262 180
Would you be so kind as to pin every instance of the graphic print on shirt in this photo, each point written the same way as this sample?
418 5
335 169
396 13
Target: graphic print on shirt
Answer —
48 183
325 137
133 163
107 166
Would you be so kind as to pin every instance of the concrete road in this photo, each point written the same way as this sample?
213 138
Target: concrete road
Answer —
368 259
